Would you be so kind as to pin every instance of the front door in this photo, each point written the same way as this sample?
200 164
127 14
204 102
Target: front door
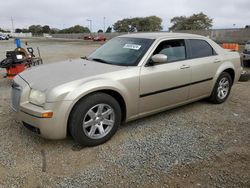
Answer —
163 85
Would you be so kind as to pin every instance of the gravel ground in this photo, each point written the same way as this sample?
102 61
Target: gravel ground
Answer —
196 145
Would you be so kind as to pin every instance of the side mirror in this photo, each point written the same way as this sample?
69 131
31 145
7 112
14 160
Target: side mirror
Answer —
159 58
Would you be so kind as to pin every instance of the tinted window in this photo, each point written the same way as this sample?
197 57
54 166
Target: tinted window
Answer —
173 49
200 48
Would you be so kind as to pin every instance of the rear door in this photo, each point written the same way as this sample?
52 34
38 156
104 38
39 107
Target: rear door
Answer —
165 84
204 62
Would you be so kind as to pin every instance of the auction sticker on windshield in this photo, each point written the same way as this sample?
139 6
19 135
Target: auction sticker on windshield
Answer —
132 46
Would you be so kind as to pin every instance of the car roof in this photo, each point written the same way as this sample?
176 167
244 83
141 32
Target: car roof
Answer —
161 35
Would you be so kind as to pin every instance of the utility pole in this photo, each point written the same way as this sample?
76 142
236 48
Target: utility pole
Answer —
12 24
104 24
90 25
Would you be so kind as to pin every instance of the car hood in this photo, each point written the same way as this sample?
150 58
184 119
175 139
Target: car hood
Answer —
48 76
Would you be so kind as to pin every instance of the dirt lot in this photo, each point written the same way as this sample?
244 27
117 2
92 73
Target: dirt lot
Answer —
197 145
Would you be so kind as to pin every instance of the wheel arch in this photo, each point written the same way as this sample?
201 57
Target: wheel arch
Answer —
231 72
115 94
214 98
225 67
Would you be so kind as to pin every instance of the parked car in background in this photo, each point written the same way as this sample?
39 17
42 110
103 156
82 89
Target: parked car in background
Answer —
99 38
89 37
246 52
129 77
9 36
3 37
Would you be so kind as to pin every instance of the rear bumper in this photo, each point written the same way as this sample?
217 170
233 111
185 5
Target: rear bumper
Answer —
245 56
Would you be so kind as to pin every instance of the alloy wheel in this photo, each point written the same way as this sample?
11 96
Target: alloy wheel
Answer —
223 88
98 121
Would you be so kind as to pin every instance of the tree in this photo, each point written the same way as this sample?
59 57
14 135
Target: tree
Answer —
151 23
18 30
100 31
46 29
194 22
36 29
54 30
75 29
125 25
25 30
2 30
109 29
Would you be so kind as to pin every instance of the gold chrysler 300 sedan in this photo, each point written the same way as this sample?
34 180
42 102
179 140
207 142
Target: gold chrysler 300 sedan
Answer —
129 77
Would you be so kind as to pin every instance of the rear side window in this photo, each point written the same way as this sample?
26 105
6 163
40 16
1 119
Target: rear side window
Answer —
174 49
200 48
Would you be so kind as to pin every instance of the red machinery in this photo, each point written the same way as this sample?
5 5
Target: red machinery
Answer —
18 60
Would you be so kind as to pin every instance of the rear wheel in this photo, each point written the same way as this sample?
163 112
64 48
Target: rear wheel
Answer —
95 119
221 89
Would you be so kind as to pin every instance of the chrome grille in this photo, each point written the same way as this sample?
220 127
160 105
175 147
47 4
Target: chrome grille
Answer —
15 96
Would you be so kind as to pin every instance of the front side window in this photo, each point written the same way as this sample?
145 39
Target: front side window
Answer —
200 48
174 49
123 51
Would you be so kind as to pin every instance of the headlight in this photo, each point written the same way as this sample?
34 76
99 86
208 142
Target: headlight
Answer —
37 97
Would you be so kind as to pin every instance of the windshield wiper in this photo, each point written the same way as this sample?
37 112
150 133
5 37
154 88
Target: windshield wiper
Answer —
100 60
106 62
84 57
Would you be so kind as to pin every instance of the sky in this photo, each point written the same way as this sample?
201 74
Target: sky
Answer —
103 13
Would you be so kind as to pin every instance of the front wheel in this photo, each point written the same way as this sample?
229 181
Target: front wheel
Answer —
95 119
221 89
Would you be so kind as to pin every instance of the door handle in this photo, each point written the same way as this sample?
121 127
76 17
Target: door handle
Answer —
217 60
185 67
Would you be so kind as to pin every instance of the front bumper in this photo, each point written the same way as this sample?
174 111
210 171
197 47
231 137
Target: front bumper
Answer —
31 115
50 128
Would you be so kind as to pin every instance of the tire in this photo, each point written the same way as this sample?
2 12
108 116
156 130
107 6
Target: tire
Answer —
221 89
88 126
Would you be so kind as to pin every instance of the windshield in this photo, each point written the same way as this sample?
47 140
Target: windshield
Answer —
122 51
